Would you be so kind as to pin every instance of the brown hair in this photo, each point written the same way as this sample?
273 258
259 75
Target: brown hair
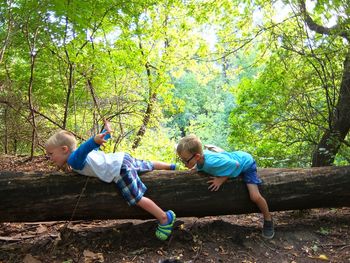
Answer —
190 143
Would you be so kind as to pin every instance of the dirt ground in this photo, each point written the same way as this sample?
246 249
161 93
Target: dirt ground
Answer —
316 235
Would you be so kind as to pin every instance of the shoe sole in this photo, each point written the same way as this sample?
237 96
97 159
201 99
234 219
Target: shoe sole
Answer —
268 237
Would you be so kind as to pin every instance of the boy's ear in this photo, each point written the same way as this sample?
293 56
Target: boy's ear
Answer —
65 149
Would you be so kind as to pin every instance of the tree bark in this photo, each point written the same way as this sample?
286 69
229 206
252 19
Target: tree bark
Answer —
30 197
332 139
339 116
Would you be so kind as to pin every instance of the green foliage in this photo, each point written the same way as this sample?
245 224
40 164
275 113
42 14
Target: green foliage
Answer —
156 146
283 112
224 70
276 116
201 109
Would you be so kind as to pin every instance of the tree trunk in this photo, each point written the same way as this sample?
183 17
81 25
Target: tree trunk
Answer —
149 110
50 197
150 103
329 145
339 116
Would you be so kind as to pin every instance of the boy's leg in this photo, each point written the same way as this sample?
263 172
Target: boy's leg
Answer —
166 219
252 181
260 201
163 166
133 189
268 228
146 166
151 207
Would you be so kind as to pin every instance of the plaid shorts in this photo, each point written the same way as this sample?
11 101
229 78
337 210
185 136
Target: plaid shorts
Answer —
130 184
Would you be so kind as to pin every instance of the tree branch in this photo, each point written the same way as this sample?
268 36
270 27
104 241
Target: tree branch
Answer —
336 30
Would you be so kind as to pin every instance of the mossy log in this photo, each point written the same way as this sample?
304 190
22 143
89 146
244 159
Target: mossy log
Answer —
35 197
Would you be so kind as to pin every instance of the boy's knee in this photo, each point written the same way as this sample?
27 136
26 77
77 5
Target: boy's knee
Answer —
256 197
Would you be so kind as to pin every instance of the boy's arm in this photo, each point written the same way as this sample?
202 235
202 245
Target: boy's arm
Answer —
216 182
77 159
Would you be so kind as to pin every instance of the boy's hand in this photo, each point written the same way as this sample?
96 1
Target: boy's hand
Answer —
99 138
216 182
108 126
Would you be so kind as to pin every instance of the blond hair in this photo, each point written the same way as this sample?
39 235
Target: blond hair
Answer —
190 143
62 138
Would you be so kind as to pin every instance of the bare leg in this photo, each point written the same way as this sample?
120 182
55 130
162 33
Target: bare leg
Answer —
151 207
161 165
260 201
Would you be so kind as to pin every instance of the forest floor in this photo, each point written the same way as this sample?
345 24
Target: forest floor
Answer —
315 235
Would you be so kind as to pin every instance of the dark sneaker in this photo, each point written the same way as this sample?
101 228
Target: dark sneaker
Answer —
268 230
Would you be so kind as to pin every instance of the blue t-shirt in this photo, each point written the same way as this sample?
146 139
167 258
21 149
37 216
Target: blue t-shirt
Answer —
229 164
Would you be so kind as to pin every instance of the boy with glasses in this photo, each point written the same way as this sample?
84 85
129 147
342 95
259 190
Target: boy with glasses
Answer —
225 165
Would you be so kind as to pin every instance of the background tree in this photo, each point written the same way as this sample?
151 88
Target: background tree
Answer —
267 77
293 106
338 105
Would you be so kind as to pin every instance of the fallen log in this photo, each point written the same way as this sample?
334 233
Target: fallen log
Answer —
33 197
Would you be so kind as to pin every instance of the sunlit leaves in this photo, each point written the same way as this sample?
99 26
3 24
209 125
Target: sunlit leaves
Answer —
188 55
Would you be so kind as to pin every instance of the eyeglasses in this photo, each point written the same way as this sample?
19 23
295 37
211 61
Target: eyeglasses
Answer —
187 161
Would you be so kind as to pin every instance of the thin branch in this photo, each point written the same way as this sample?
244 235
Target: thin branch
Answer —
335 30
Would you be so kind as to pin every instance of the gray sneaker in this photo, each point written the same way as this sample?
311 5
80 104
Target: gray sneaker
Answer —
268 229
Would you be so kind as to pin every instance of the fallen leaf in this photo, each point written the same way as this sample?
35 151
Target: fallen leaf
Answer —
288 247
30 259
91 257
323 257
41 229
138 251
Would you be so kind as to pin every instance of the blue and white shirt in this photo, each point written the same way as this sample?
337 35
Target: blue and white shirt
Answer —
88 160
